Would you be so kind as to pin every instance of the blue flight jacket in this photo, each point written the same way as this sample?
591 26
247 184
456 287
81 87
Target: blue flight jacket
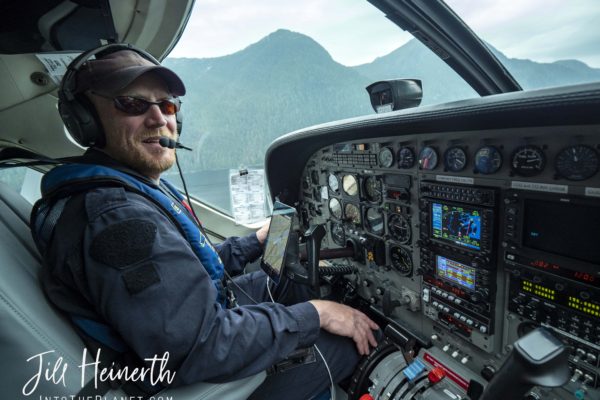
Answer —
133 270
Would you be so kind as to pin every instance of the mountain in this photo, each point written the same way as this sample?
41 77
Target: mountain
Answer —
414 60
534 75
282 83
287 81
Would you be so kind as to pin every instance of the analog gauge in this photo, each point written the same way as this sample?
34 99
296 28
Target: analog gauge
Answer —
488 160
372 187
335 208
386 157
374 221
401 260
528 161
577 163
455 159
338 235
333 182
349 185
428 158
399 228
352 214
406 158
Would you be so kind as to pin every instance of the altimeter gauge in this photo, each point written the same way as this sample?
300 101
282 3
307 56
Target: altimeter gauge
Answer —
406 158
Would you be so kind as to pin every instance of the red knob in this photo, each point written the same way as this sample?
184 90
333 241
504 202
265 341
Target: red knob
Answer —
366 396
436 375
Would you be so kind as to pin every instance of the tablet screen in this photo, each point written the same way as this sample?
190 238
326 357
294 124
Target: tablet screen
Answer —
273 259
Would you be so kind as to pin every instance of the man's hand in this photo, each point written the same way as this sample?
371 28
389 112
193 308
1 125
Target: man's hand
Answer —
342 320
261 234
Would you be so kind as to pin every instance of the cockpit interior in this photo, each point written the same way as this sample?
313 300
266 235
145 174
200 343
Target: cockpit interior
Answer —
469 230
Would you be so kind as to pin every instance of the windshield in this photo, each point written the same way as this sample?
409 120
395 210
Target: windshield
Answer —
256 70
542 43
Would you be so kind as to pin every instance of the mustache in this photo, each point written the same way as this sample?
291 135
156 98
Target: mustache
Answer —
158 135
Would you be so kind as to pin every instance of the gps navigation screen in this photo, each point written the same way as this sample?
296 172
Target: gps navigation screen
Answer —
456 272
276 244
456 224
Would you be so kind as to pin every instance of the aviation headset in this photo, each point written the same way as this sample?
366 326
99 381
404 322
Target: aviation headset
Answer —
77 111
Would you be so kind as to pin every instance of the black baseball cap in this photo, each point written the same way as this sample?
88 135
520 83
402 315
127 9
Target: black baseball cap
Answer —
115 71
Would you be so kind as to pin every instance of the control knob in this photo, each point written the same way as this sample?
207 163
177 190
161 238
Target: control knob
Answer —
488 372
591 358
579 354
576 375
479 262
479 295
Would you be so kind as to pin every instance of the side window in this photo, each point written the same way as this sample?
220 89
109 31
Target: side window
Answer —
24 181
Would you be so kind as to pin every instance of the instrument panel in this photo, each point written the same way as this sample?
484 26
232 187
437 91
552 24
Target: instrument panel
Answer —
471 239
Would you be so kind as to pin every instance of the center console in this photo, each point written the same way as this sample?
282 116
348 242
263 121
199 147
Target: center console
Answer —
458 256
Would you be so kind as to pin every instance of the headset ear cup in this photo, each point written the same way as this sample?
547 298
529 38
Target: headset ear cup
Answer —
81 119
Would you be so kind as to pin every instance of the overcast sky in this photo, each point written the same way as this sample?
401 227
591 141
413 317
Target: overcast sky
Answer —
354 32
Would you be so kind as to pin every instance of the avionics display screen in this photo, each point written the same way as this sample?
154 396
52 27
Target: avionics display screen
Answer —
455 272
566 229
456 224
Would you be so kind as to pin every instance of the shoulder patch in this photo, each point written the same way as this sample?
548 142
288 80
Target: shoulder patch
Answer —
100 200
124 243
140 278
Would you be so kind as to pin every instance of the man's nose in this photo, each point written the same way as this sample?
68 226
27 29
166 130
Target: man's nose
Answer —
155 117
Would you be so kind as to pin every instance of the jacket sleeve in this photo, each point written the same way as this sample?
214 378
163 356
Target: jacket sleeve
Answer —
236 252
148 284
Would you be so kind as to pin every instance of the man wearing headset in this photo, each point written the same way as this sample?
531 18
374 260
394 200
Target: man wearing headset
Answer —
140 264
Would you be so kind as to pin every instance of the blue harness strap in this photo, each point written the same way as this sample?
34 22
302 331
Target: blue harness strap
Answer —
77 175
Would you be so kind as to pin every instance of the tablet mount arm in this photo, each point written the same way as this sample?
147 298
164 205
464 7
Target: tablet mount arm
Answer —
305 273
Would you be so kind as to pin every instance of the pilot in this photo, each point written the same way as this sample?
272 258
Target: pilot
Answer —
130 264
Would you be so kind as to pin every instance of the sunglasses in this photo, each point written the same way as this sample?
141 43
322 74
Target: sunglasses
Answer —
136 106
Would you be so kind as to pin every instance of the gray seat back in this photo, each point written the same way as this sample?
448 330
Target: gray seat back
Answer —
33 334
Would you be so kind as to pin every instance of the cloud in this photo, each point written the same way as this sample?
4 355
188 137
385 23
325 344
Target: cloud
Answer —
355 32
540 30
